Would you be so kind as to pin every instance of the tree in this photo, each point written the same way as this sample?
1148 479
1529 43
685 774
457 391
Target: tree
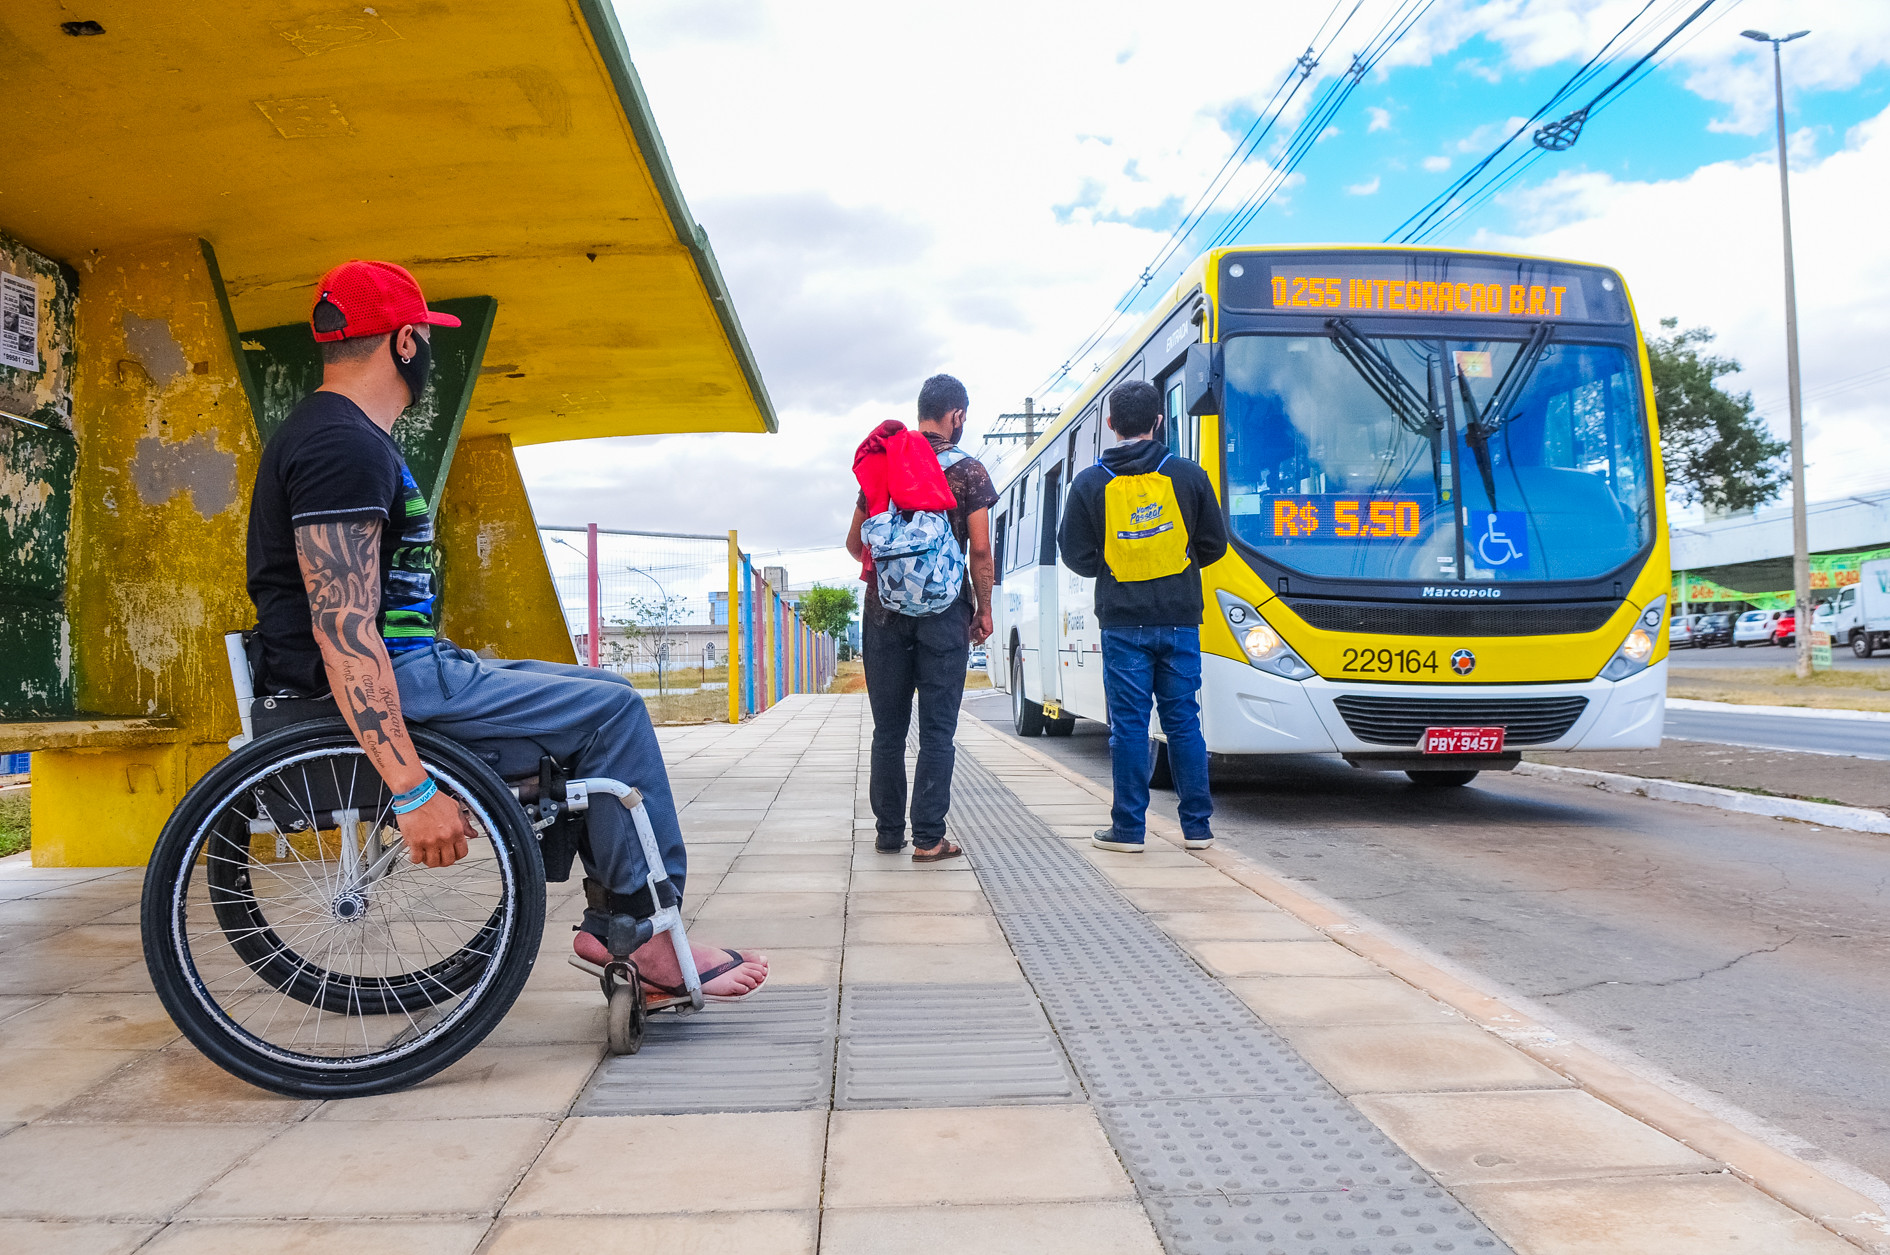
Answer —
829 610
645 626
1718 452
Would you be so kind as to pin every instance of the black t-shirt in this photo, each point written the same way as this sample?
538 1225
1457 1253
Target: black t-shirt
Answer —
329 463
971 485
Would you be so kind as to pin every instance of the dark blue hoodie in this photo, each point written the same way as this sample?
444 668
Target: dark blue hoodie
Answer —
1172 600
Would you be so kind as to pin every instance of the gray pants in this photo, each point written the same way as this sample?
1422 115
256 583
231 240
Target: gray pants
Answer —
593 722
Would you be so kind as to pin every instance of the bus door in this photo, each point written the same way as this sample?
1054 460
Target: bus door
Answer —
1082 639
1049 621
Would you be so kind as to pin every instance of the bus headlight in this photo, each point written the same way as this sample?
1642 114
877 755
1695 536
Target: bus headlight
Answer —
1638 649
1258 640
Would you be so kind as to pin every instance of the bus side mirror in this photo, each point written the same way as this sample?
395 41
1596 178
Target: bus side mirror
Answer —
1201 380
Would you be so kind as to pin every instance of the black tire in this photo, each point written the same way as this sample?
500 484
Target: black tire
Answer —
1161 774
1860 644
231 964
1026 715
1061 727
1441 779
625 1016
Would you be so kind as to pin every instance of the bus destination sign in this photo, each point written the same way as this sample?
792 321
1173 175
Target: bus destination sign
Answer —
1420 284
1384 294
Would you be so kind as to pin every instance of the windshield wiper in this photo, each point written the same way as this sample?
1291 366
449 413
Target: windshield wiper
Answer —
1481 424
1419 414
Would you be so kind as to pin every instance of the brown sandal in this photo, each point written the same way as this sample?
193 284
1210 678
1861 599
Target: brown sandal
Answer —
938 853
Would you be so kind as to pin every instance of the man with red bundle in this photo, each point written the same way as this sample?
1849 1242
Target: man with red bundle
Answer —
910 648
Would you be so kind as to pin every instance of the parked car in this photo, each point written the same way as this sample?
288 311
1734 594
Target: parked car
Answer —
1785 629
1680 630
1712 629
978 659
1755 627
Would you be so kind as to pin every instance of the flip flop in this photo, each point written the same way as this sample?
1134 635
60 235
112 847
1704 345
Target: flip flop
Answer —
938 853
673 993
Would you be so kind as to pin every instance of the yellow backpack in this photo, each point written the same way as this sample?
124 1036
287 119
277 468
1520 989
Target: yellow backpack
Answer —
1144 537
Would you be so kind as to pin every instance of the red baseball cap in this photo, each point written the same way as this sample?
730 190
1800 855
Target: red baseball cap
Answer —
370 298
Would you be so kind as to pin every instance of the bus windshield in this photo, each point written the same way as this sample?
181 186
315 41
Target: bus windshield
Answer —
1435 460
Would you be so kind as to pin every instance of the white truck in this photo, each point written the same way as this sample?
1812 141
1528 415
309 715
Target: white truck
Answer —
1861 613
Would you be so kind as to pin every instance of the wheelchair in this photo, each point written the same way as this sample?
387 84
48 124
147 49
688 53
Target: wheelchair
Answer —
296 946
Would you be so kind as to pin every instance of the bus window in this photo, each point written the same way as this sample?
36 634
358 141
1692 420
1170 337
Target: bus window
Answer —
1083 444
1024 546
1182 432
997 546
1047 551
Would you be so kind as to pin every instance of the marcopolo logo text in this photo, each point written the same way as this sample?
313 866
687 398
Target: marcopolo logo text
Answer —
1461 590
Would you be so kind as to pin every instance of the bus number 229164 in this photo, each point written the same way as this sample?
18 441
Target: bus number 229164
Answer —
1389 661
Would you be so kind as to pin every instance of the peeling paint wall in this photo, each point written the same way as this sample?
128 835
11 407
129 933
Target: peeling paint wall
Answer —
37 456
167 454
497 592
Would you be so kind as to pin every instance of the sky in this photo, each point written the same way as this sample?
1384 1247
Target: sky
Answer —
898 190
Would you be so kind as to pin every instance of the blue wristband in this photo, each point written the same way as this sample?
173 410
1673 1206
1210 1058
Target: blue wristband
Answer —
413 799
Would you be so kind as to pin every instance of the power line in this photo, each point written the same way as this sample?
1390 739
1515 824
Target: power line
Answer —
1305 134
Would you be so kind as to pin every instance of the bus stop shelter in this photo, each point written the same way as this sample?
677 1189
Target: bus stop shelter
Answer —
179 179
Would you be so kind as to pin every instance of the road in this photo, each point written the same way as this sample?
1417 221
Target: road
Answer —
1759 657
1807 733
1743 955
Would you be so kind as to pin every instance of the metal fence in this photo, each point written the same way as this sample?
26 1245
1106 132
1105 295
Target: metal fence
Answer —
656 607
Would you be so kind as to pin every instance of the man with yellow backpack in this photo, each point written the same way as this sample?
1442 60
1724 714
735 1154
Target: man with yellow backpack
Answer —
1143 522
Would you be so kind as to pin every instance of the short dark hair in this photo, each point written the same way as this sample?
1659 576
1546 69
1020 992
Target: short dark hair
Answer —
940 395
354 348
1134 408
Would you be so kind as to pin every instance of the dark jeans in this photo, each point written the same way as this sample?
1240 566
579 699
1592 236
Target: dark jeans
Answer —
1163 663
591 721
926 656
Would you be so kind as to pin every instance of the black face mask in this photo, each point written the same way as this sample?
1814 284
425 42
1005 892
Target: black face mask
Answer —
415 371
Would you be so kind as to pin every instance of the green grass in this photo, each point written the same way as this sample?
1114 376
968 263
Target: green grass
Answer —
16 824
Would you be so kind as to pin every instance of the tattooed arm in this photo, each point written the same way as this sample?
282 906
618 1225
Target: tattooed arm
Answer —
341 568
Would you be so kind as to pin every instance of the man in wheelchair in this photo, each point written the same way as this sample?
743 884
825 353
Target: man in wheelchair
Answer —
341 570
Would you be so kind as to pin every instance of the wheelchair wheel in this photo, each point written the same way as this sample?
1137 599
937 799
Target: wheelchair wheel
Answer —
294 943
626 1017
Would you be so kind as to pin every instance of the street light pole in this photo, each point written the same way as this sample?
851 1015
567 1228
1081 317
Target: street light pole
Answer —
1801 545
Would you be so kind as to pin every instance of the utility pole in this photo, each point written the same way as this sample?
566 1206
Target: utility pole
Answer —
1030 416
1801 544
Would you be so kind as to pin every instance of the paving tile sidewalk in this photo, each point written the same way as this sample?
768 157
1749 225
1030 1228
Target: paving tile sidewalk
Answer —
924 1102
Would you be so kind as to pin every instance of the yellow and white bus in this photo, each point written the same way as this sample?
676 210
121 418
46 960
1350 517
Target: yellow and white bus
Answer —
1442 480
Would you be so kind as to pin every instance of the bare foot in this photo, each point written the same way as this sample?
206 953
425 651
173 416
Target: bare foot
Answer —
656 961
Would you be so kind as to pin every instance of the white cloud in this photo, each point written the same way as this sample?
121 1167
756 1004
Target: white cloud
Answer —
1368 188
1436 165
892 191
1706 249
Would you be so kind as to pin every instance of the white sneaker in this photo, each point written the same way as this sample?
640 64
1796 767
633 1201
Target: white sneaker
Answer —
1196 843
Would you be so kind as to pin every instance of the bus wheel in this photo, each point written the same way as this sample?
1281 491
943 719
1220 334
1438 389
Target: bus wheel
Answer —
1026 715
1441 779
1160 774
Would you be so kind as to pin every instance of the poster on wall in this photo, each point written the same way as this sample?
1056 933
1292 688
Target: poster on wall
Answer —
19 322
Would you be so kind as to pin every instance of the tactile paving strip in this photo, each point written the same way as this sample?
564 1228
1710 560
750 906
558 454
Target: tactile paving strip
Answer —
1236 1145
948 1046
1127 1064
1234 1142
772 1051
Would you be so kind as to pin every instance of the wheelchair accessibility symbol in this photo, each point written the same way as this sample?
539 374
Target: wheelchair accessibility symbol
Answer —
1501 539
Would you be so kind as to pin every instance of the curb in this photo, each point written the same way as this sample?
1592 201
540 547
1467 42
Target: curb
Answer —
1792 712
1798 1185
1851 818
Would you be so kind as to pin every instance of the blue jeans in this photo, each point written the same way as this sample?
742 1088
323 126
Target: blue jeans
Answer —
592 721
1162 663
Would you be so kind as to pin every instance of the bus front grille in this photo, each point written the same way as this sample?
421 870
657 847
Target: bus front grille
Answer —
1402 720
1482 619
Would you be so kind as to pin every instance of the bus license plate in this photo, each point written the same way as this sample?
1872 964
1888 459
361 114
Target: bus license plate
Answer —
1463 740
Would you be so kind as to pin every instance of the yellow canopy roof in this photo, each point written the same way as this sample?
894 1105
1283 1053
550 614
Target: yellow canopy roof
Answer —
495 147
